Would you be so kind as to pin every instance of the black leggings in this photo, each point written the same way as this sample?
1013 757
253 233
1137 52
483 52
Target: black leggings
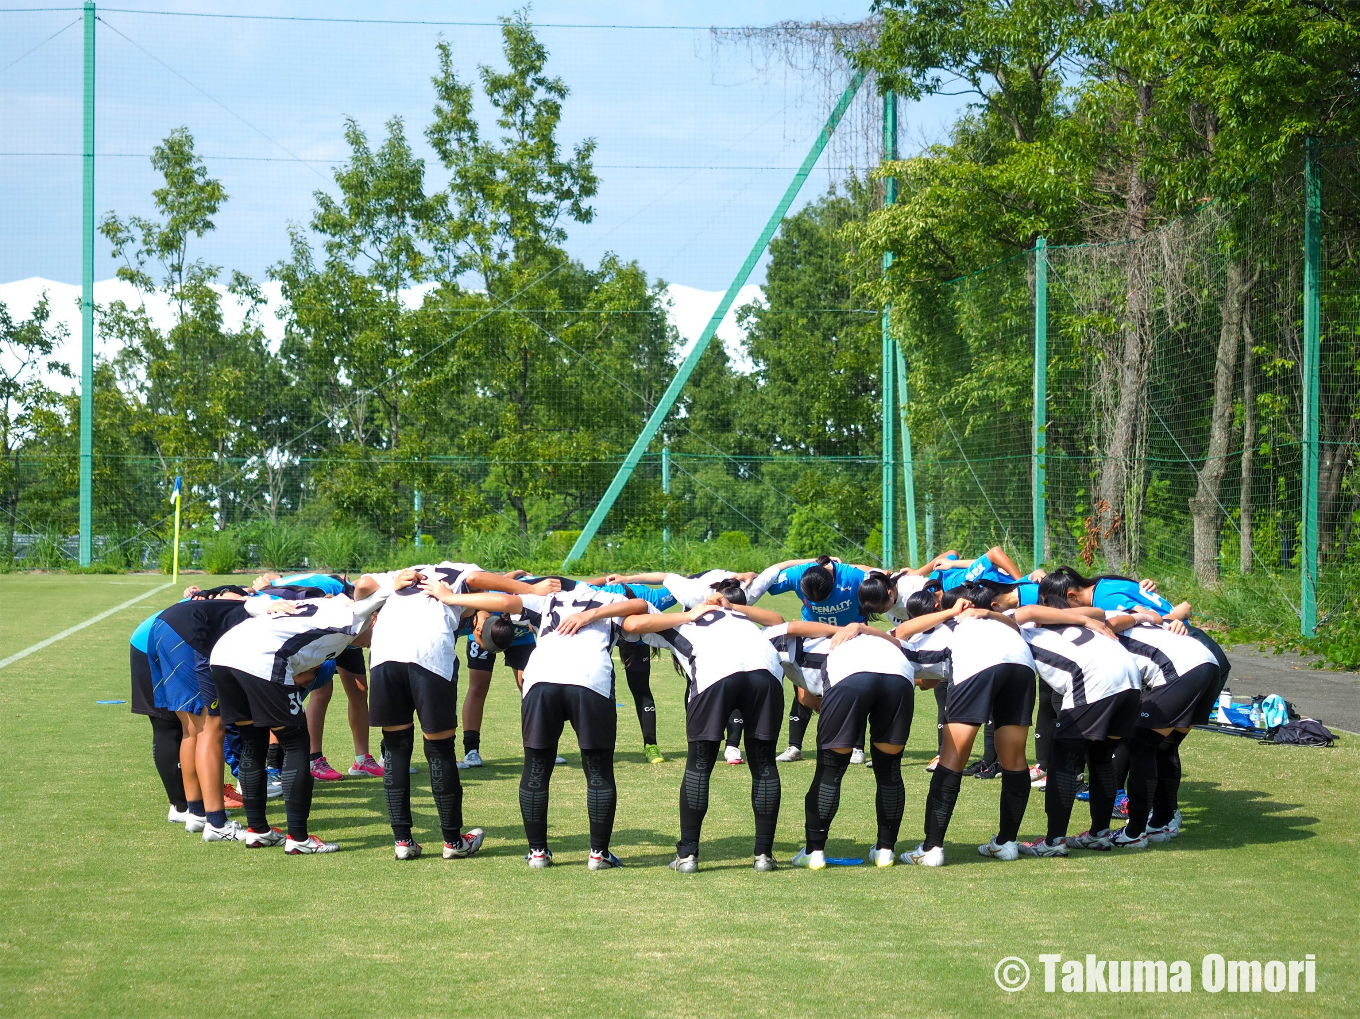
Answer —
1046 723
800 715
166 734
297 777
1067 758
765 793
602 795
824 797
637 668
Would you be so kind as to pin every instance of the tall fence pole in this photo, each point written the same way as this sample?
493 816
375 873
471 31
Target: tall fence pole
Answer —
888 372
908 463
686 368
666 490
1040 397
1312 334
87 306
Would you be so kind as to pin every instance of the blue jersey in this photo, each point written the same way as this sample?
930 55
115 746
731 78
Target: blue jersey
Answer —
322 581
657 596
1028 590
1112 594
142 635
981 568
840 609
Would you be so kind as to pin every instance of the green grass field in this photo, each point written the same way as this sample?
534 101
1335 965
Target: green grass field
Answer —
107 910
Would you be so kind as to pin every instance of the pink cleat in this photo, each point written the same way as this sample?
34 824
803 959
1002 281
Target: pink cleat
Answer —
365 767
323 772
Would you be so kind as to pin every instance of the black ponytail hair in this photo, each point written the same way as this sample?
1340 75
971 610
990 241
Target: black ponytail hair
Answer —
924 601
981 597
1054 600
877 592
731 589
499 632
1063 580
818 580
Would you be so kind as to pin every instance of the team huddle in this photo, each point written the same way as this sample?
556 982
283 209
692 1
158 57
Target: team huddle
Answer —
241 677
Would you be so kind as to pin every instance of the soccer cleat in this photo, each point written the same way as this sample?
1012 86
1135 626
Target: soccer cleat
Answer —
365 767
560 760
1036 773
791 754
1161 833
408 849
471 759
1042 847
972 770
1121 804
882 857
178 816
466 846
857 756
765 863
815 860
539 859
602 860
264 839
231 799
685 864
934 763
923 857
273 783
1099 841
323 772
992 770
232 831
195 824
653 753
1123 841
732 755
1000 850
311 844
1041 784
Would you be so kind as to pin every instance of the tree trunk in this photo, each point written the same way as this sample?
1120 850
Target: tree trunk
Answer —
1246 558
1204 507
1332 462
517 502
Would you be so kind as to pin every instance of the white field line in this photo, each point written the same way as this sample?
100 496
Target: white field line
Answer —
79 626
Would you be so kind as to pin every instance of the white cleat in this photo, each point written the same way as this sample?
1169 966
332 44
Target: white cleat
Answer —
178 816
466 846
1098 841
264 839
232 831
815 860
1000 850
539 859
923 857
1121 840
791 754
471 759
765 863
1161 834
685 865
310 845
407 849
602 860
560 760
732 755
882 857
857 756
195 824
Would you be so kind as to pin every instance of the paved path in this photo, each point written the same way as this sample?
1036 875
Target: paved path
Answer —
1331 697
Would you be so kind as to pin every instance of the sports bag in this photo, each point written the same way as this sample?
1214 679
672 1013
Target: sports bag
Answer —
1305 732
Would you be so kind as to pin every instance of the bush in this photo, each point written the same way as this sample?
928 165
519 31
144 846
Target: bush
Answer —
281 547
221 553
48 553
341 548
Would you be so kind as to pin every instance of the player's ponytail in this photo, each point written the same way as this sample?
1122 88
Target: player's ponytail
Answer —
818 580
876 593
924 601
731 589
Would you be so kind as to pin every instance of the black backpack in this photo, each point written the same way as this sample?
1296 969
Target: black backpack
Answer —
1305 732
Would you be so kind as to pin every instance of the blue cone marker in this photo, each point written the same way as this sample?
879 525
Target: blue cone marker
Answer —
110 702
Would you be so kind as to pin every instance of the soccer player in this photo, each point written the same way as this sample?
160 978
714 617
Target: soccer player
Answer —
729 664
480 662
262 668
569 678
167 733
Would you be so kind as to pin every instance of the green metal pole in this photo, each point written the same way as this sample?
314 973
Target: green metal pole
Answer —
87 306
908 464
686 369
1040 398
666 490
1312 341
888 372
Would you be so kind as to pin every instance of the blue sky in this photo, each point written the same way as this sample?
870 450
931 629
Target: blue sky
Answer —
695 140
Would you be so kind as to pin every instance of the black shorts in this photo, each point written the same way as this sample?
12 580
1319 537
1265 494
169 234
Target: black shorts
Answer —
143 692
1111 717
1003 694
886 702
1176 705
479 658
547 707
757 697
244 697
352 660
400 692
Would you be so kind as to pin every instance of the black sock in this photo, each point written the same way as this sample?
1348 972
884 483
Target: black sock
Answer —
166 734
447 790
297 780
1045 725
216 818
602 796
195 807
890 798
397 747
472 740
989 744
799 717
940 800
254 781
1142 778
315 756
941 697
1168 778
765 791
703 754
735 725
1014 800
533 794
1066 757
823 797
1100 776
274 756
1119 762
637 668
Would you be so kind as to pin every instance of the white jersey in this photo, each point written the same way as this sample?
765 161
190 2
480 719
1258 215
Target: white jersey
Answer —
958 649
803 658
417 629
867 653
691 591
907 585
578 659
1164 657
720 643
277 648
1082 665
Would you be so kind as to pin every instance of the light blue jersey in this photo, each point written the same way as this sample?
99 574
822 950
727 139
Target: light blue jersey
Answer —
142 635
657 596
322 581
1116 593
840 609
